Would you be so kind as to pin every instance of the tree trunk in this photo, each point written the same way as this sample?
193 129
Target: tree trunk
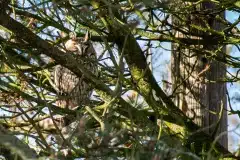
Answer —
193 74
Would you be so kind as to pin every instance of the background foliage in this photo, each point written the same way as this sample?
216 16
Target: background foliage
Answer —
132 115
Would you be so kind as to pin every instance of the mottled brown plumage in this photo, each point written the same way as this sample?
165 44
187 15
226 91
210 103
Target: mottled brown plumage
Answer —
73 90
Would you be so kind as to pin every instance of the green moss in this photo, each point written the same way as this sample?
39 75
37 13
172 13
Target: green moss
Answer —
143 85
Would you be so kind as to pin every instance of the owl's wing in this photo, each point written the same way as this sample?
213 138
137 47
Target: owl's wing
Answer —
64 79
74 90
77 89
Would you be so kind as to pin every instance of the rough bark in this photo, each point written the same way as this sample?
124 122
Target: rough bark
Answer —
193 76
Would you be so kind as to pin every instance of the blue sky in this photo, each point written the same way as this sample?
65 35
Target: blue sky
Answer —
233 89
161 71
161 57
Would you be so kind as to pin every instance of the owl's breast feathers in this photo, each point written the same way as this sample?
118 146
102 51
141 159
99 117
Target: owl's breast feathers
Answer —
73 89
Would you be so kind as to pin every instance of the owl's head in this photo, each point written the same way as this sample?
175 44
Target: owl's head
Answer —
78 45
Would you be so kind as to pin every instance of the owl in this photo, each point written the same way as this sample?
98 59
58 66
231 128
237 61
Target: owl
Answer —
73 90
